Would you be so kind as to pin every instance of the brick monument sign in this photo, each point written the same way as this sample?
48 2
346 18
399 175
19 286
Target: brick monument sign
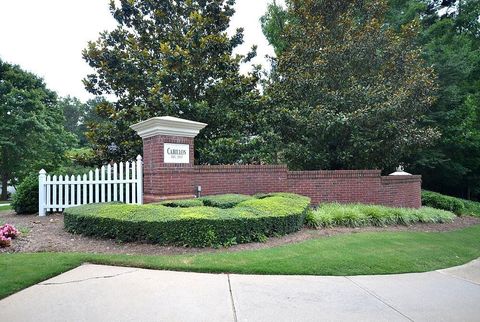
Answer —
170 173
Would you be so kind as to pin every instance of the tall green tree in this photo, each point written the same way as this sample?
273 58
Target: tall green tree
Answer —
173 58
274 22
450 39
32 133
348 91
75 113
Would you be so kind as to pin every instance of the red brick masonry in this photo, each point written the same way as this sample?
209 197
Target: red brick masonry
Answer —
346 186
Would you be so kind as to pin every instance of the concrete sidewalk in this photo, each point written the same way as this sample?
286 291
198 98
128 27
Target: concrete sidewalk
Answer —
106 293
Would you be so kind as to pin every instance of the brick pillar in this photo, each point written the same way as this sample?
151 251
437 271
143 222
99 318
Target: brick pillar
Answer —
168 143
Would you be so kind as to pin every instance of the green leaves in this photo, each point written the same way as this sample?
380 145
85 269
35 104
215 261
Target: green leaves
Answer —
351 91
172 58
186 223
450 43
32 133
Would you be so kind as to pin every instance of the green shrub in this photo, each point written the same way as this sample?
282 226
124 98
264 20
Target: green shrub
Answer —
25 199
250 220
183 203
277 194
457 205
439 201
359 215
219 201
224 201
471 208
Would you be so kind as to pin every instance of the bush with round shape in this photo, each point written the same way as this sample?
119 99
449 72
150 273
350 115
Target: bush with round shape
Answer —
197 226
25 199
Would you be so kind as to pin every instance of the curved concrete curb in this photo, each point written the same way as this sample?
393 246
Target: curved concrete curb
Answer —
469 272
108 293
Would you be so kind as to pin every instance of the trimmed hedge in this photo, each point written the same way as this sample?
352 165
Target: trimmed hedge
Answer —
183 203
457 205
224 201
359 215
439 201
219 201
247 221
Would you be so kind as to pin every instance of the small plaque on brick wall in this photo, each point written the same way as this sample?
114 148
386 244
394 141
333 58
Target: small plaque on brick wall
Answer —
176 153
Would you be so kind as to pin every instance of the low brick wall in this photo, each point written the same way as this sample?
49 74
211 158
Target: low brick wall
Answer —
345 186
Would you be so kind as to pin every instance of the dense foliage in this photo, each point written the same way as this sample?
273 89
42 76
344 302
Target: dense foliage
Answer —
218 201
358 215
192 225
224 201
25 200
174 58
439 201
450 38
347 91
457 205
78 115
349 88
32 134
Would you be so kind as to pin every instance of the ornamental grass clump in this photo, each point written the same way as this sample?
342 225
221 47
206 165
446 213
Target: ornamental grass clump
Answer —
359 215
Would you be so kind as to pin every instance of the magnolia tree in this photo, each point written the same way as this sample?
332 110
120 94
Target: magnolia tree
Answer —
173 58
346 90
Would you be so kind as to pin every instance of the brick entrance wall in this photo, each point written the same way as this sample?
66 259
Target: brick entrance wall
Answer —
180 180
346 186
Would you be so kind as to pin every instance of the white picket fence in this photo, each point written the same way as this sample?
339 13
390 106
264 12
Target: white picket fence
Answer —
122 182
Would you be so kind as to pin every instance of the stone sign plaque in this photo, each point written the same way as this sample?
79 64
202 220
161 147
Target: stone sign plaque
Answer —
176 153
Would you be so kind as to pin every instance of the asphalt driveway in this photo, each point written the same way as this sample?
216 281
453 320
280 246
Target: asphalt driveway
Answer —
107 293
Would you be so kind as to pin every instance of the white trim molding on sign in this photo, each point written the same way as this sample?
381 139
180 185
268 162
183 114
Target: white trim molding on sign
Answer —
176 153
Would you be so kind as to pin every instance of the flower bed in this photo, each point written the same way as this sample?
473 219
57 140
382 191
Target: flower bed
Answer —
190 223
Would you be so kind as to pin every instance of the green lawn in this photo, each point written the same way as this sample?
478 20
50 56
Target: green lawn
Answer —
3 207
352 254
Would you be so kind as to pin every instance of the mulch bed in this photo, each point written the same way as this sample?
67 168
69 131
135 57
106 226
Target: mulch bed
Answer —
46 234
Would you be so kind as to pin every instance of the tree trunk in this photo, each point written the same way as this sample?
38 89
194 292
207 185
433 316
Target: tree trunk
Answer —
4 195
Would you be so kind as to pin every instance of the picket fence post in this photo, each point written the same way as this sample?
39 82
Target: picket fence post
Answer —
139 180
42 175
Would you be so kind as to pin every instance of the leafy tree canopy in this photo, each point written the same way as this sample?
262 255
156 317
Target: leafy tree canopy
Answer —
173 58
450 38
348 91
32 133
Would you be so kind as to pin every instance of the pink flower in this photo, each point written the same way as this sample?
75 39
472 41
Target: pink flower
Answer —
8 231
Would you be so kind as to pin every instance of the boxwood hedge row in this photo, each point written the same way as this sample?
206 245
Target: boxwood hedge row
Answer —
189 224
439 201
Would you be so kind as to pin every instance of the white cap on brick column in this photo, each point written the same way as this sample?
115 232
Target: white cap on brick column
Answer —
400 172
168 125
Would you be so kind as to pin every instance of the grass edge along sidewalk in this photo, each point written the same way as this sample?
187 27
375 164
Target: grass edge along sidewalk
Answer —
350 254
